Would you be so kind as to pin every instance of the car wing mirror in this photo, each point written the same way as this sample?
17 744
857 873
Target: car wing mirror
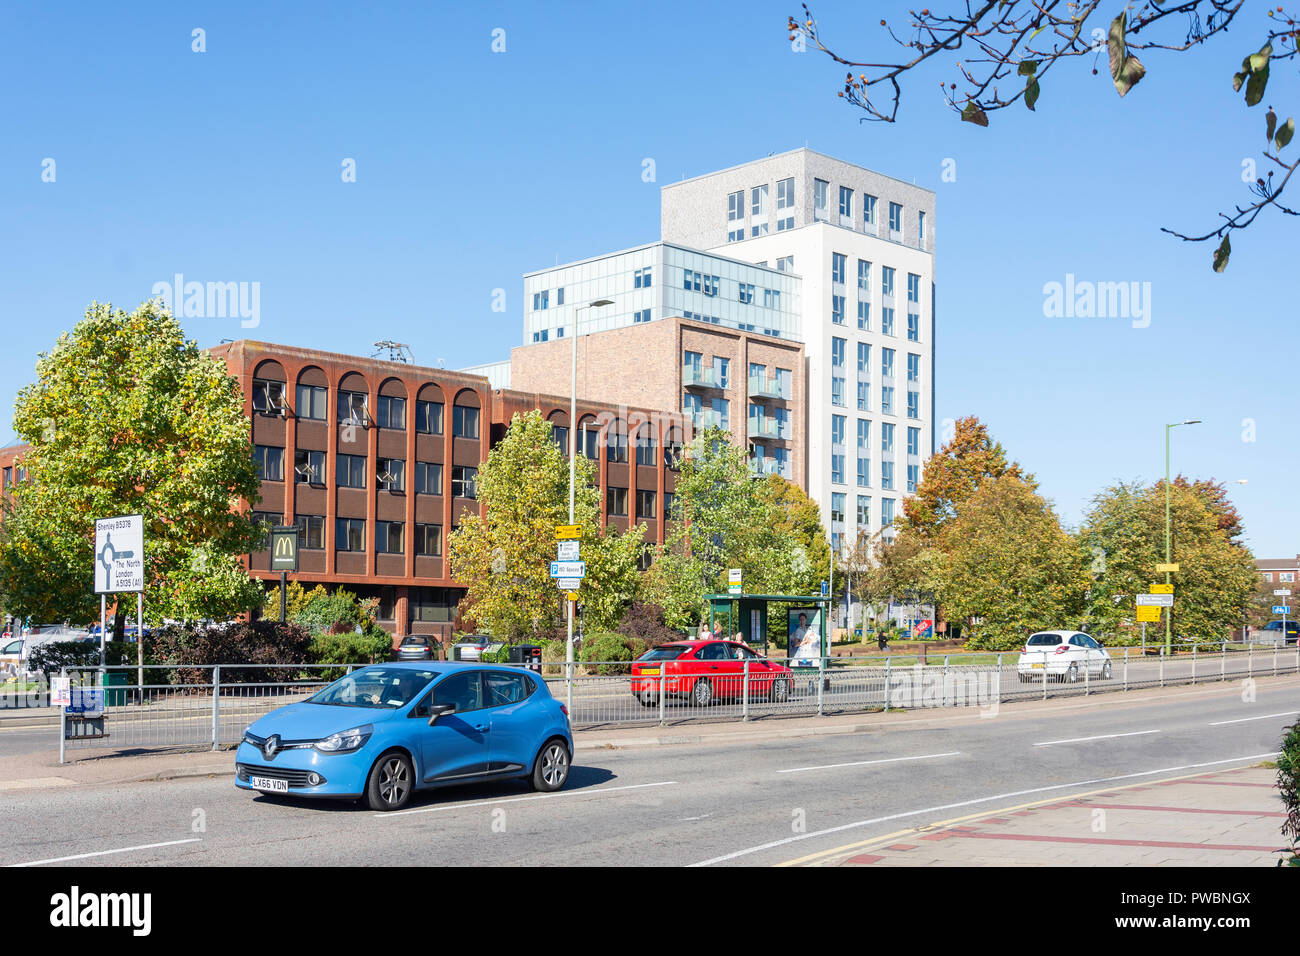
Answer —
440 710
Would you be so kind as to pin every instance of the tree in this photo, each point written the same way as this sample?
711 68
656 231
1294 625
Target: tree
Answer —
1011 46
1123 539
128 417
1006 561
800 517
970 458
504 554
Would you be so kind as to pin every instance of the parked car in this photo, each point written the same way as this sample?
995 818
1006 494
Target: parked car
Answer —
1271 633
387 730
704 671
415 647
12 661
470 647
1064 655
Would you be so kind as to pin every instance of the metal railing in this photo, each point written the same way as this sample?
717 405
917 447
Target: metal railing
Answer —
215 703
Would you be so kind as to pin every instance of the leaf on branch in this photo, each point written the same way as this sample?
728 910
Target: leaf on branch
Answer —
1221 255
1255 86
1237 80
1031 92
1125 70
1028 67
1285 133
973 114
1254 70
1270 124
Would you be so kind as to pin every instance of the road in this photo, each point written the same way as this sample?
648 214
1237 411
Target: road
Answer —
754 803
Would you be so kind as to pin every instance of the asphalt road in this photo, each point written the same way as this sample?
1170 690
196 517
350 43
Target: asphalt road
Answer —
741 803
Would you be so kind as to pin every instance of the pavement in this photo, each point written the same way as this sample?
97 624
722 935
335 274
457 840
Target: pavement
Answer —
1226 818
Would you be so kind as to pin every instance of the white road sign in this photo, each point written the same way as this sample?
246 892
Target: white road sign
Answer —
568 569
566 550
1155 600
1282 592
119 554
568 584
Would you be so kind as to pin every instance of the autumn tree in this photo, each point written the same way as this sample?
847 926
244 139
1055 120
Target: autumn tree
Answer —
968 460
126 416
1006 561
1002 51
504 554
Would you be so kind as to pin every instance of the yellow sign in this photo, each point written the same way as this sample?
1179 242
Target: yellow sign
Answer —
571 595
1163 568
1148 613
1162 589
565 532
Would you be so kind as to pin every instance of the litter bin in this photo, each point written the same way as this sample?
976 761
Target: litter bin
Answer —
529 655
115 684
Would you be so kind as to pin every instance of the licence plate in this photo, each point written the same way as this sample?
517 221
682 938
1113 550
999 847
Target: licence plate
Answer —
648 671
267 783
1037 667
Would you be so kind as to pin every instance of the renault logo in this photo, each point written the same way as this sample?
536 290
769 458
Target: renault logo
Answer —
272 746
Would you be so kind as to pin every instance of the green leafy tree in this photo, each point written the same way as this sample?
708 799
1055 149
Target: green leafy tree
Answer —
1006 560
126 416
504 554
1123 539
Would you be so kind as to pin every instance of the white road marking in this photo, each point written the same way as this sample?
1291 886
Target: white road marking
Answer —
537 796
1079 740
868 763
125 849
971 803
1241 720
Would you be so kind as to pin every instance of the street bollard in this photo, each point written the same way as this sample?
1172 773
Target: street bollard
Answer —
821 678
1193 665
1250 660
744 708
1162 667
1044 675
1126 669
1223 662
1087 687
1275 656
63 719
944 698
888 674
216 705
999 691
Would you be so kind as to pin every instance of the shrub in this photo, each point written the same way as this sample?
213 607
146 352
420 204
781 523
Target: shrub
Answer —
1288 782
645 622
601 649
349 648
323 612
50 657
240 642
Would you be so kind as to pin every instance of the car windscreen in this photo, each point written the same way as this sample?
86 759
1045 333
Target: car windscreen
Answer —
1044 639
382 687
666 652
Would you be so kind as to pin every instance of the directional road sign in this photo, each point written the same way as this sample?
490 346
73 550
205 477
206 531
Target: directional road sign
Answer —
1155 600
568 569
1281 609
119 554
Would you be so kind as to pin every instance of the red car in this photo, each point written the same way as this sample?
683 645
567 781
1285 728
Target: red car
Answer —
704 671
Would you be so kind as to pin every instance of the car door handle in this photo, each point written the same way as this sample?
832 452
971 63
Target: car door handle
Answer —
483 728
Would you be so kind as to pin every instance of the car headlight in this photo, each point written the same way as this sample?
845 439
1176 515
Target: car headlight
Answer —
345 741
248 737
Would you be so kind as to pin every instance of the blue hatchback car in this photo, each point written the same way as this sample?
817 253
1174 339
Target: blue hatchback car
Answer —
387 730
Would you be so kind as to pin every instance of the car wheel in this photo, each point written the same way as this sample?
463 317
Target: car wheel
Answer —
1105 671
392 779
780 690
647 700
1025 678
1072 675
551 769
702 693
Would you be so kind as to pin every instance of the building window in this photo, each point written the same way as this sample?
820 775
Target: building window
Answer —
846 205
869 211
887 363
837 507
268 397
785 194
887 475
350 471
721 368
837 469
758 211
428 478
560 435
920 226
541 300
864 434
913 476
464 422
270 462
641 315
264 521
895 217
913 326
864 316
820 188
745 292
913 367
887 320
864 396
311 402
616 501
837 429
887 438
645 504
388 537
463 481
838 261
1285 577
864 471
428 540
771 298
736 216
352 408
672 461
311 532
309 467
646 452
886 512
392 412
588 440
389 473
886 281
428 418
559 296
616 443
641 278
913 404
864 511
350 534
887 399
837 390
785 264
837 351
914 441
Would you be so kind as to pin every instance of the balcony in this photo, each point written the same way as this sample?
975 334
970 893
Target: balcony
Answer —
764 427
695 376
767 466
766 387
703 418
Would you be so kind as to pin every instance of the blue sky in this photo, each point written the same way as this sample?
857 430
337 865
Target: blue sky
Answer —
473 167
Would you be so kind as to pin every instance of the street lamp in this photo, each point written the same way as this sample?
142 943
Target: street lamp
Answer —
1169 618
573 465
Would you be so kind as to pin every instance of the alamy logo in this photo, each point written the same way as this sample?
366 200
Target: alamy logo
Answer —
74 909
212 300
1084 299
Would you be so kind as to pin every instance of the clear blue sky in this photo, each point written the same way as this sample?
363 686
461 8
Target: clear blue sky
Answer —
474 167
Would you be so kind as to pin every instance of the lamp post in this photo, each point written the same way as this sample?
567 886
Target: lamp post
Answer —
573 465
1169 618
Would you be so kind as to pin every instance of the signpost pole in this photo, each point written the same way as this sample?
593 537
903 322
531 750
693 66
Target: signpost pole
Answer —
284 583
103 619
139 645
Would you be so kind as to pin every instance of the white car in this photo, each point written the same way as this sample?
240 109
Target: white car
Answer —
12 661
1064 655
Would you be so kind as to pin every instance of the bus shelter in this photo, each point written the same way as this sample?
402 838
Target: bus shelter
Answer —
749 615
